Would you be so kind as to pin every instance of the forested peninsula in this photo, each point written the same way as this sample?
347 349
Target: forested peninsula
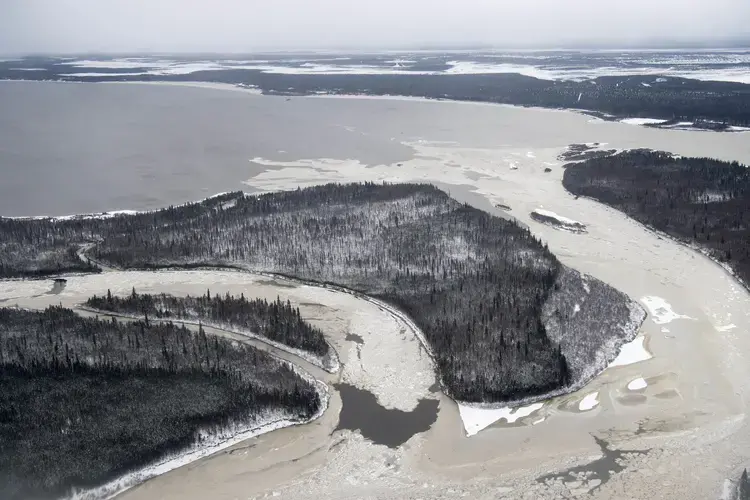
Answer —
699 201
504 320
83 400
706 105
276 321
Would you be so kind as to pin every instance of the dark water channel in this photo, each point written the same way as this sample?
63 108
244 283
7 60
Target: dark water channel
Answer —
612 462
389 427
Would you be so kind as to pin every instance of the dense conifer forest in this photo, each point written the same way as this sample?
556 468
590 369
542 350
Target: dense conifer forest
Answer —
699 201
84 400
277 321
474 283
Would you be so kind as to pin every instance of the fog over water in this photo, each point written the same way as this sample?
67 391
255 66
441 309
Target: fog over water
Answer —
63 26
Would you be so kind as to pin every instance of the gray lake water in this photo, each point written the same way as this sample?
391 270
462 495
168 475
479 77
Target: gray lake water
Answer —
361 412
80 148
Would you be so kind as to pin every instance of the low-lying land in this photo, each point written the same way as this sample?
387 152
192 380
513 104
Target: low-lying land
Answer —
700 201
705 104
475 284
83 400
277 321
577 152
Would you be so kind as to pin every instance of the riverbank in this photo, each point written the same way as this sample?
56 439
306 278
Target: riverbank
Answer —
683 416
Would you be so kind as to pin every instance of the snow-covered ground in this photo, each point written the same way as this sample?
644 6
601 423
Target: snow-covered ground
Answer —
589 402
716 66
476 418
637 384
641 121
558 221
632 352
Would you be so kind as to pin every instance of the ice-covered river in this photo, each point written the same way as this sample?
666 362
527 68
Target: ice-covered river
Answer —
683 409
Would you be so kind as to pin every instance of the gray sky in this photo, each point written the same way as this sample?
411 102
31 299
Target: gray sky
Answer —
62 26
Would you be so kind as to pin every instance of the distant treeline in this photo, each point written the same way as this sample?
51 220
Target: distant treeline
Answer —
84 400
474 283
277 321
670 98
700 201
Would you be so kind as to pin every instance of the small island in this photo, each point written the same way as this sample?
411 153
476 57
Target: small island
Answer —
557 221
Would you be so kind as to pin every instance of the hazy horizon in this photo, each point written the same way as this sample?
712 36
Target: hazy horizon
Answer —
236 27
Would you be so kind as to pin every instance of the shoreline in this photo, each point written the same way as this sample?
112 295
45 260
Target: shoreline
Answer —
695 248
517 403
120 485
638 316
252 90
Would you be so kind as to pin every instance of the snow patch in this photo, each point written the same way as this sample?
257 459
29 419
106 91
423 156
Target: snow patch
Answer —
557 221
475 418
642 121
726 328
632 352
589 402
637 384
660 310
548 213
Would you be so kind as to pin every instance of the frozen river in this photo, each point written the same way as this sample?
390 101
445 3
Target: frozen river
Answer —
683 410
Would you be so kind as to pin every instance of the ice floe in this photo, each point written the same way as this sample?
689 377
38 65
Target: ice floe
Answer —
726 328
475 418
589 402
660 310
637 384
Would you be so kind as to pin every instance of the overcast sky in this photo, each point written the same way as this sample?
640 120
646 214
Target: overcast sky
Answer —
64 26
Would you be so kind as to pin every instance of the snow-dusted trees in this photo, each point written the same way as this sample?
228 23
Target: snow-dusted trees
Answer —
474 283
277 320
83 400
697 200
